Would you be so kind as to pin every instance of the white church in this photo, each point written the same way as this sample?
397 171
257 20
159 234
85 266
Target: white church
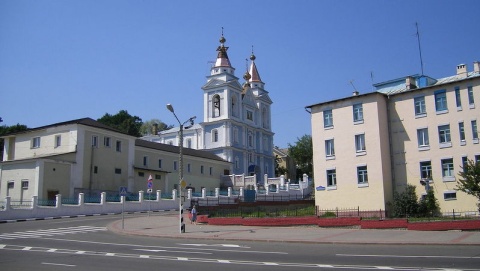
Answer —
236 120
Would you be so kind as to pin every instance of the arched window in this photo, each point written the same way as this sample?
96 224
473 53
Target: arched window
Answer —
215 135
216 106
189 143
237 162
234 106
265 117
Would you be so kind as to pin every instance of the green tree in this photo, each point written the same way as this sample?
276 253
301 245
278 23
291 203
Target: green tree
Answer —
5 130
124 122
428 206
470 180
279 170
405 203
147 126
302 154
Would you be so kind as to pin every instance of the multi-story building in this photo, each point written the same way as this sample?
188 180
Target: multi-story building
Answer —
236 120
85 156
413 130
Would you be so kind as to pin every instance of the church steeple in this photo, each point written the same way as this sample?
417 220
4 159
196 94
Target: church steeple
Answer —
255 76
222 56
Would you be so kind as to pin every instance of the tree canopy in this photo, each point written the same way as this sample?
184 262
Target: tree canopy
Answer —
470 179
124 122
5 130
147 126
302 154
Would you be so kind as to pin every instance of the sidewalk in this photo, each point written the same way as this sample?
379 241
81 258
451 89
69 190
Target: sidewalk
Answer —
167 226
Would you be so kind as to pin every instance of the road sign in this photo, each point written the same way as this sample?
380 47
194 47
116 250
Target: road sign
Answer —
149 184
149 190
123 190
183 183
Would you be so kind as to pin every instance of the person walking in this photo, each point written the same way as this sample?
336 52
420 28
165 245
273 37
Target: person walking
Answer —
194 215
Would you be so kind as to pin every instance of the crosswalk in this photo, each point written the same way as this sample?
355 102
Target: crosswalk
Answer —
50 232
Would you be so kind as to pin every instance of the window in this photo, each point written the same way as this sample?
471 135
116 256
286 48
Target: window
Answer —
215 135
420 106
250 158
331 177
458 99
441 101
216 106
24 184
170 142
141 174
234 106
118 146
118 171
471 100
362 175
426 170
174 165
475 130
265 143
329 148
444 134
235 134
58 141
159 163
145 160
447 167
201 170
464 163
327 118
264 118
211 170
189 143
11 185
106 142
95 169
357 112
360 143
36 142
158 177
250 139
461 131
95 141
249 115
450 195
189 168
422 137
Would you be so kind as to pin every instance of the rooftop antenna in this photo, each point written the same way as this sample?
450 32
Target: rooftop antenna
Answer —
355 91
419 48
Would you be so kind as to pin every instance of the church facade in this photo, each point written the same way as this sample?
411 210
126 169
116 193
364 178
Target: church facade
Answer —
236 120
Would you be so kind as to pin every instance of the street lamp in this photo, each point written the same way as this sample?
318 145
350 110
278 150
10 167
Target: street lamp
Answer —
180 172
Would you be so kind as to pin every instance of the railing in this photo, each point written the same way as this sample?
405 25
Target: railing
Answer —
262 211
20 204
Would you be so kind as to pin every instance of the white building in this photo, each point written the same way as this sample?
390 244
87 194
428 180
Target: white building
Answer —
236 120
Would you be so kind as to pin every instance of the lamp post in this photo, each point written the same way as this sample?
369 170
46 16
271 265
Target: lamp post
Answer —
180 172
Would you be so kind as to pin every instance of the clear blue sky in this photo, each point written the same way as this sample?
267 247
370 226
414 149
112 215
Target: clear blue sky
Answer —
63 60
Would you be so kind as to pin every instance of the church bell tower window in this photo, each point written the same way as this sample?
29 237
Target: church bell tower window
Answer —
216 106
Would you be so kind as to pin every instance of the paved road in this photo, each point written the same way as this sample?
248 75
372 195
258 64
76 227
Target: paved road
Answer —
152 243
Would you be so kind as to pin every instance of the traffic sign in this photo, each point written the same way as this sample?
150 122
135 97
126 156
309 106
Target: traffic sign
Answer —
183 183
149 184
149 190
123 190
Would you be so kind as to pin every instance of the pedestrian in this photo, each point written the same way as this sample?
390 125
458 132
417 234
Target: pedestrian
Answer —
194 215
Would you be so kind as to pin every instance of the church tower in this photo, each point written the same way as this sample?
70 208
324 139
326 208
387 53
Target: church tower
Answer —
237 118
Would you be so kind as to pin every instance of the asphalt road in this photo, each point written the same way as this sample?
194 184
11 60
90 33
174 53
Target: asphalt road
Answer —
84 243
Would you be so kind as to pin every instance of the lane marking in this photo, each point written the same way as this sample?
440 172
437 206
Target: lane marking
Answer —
408 256
60 264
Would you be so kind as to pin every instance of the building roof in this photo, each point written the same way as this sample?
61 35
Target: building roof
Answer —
176 149
83 121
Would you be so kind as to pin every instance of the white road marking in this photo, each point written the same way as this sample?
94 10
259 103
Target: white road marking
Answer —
408 256
215 245
224 261
173 251
50 232
61 264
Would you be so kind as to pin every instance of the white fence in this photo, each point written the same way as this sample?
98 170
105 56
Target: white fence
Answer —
11 210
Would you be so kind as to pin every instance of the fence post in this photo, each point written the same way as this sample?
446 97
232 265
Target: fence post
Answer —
34 202
58 203
204 193
140 196
103 197
81 199
358 210
8 201
453 214
159 195
337 210
229 193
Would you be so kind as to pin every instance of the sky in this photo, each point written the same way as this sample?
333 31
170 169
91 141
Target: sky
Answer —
62 60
